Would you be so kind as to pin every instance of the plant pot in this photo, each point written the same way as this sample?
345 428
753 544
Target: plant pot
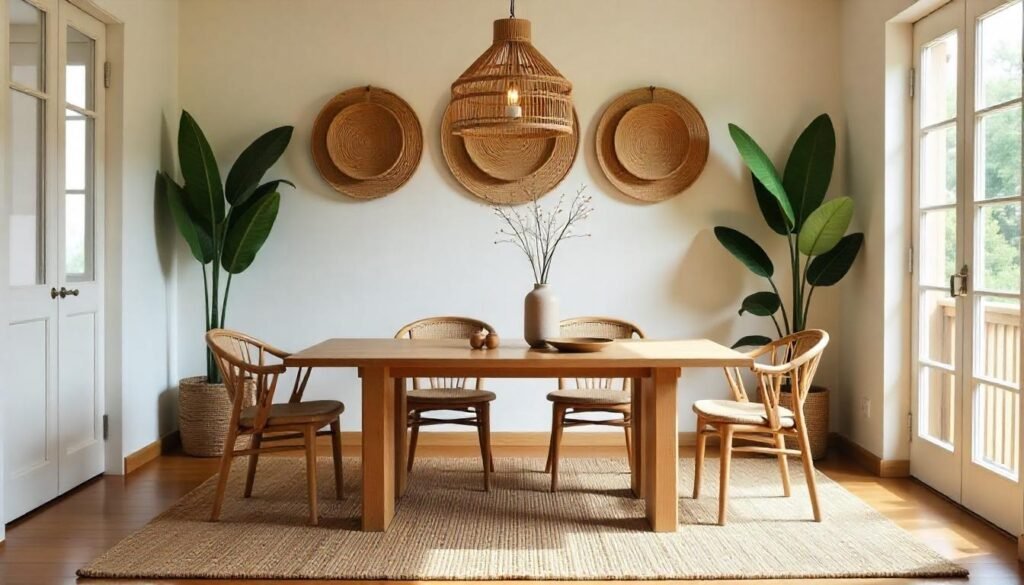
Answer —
540 316
816 417
204 413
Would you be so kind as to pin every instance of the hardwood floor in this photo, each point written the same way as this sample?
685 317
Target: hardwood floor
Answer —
49 545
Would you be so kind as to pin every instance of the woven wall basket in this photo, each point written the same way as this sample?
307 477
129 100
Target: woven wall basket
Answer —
651 143
816 415
508 169
366 142
204 412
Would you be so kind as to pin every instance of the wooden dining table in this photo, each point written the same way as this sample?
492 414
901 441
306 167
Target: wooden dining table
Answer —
385 364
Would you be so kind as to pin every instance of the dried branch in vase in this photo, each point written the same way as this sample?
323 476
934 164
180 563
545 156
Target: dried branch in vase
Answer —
538 231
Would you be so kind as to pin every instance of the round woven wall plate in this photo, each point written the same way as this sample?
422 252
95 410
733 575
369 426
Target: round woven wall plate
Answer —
538 183
509 159
397 174
365 140
695 153
651 141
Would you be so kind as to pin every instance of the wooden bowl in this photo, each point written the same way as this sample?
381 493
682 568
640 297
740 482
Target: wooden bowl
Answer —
579 344
651 141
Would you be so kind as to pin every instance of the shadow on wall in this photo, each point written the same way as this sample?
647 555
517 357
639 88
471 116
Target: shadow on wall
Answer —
167 412
163 227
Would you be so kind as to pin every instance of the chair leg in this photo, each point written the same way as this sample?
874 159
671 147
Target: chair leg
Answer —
723 481
483 415
222 477
339 482
629 443
310 437
551 439
250 477
808 461
780 443
556 444
413 437
698 461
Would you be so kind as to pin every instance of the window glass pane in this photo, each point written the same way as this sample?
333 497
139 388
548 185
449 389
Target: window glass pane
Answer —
999 154
27 209
938 80
79 70
996 428
78 200
937 246
1000 59
937 401
997 339
998 250
26 43
938 327
938 166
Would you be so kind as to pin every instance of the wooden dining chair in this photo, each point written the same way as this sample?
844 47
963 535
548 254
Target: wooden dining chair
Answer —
241 359
792 361
449 394
591 395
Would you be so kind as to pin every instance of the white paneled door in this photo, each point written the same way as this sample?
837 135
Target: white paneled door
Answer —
967 256
54 398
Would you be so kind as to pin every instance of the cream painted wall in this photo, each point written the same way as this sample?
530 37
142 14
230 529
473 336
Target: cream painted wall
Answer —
338 267
141 281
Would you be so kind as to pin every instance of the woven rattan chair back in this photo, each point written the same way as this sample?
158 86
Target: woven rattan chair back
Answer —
240 357
443 328
598 327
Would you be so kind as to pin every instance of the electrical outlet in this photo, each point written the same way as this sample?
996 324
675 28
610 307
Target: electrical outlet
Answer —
865 407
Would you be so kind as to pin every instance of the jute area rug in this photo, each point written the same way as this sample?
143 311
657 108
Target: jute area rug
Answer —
446 527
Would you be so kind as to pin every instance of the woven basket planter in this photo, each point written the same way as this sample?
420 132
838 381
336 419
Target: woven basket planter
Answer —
816 415
204 412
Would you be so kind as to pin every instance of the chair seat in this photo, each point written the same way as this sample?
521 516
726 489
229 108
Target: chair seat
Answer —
449 396
744 413
591 397
296 413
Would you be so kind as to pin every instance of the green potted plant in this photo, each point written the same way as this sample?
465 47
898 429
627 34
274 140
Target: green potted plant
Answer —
820 251
224 225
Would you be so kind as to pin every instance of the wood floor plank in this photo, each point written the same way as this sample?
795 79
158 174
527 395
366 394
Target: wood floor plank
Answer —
47 546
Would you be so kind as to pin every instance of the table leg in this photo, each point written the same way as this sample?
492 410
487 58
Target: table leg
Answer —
661 449
637 417
378 448
401 437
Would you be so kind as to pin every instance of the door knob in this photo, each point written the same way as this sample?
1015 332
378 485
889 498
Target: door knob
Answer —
64 292
54 293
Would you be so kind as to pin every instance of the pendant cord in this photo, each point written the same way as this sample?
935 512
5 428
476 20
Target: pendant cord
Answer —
512 9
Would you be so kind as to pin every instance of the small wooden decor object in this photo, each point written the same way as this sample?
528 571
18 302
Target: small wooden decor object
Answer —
508 169
652 143
366 142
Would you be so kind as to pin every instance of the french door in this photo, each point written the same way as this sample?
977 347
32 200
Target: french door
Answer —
54 387
967 352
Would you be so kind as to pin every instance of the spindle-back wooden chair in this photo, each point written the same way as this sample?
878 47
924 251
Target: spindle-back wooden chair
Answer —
464 395
241 358
791 361
590 395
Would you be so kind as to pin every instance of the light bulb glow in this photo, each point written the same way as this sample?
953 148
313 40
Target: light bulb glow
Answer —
513 96
513 109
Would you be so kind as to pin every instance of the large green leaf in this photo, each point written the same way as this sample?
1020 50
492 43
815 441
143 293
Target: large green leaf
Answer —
752 341
770 208
762 304
825 226
746 251
248 232
254 162
762 168
809 168
202 178
832 266
199 242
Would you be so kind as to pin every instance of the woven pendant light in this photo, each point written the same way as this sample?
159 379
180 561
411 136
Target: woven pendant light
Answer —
512 90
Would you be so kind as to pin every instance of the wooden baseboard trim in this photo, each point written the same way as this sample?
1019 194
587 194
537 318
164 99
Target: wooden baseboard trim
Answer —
868 460
165 444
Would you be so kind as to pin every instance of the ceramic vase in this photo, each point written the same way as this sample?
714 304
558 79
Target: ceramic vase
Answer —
540 316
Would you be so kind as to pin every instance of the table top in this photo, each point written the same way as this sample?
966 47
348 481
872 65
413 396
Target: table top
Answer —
358 353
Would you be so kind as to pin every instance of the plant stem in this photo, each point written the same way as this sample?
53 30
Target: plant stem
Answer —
794 253
777 328
785 317
213 375
224 303
210 365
